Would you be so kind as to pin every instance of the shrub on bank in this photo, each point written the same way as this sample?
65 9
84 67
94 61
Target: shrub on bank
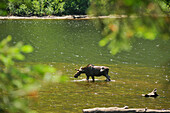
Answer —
47 7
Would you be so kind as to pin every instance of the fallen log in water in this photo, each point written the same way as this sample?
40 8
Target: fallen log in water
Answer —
123 110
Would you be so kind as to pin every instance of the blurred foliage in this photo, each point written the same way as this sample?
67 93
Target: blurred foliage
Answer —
47 7
17 82
130 19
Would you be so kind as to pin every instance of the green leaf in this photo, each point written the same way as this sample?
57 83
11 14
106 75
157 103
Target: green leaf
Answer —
63 78
19 56
114 51
149 35
5 41
9 38
27 49
102 43
17 83
44 69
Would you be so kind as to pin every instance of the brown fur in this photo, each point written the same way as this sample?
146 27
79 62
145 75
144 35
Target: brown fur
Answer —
91 71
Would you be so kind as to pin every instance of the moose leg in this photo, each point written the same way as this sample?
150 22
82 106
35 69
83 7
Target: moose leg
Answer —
92 78
87 78
107 77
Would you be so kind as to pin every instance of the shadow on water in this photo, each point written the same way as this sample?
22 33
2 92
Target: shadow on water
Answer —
69 44
96 80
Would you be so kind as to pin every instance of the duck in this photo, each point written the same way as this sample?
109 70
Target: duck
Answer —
152 94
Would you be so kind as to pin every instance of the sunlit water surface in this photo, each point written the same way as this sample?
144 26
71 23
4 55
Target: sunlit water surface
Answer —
69 44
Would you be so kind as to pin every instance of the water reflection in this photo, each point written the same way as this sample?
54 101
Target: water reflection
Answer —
90 80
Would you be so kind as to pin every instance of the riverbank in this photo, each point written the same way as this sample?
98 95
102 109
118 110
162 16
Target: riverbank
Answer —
69 17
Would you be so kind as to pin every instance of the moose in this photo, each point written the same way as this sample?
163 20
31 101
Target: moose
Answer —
91 71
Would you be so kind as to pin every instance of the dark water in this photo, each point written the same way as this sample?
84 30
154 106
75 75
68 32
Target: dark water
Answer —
69 44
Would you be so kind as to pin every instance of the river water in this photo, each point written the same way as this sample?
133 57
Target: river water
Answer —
69 44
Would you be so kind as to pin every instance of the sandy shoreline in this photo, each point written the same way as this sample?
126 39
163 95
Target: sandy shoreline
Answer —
72 17
69 17
123 110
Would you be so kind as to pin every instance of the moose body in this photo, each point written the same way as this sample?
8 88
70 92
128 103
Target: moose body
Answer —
92 71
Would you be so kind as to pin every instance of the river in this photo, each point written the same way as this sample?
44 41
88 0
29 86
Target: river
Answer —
69 44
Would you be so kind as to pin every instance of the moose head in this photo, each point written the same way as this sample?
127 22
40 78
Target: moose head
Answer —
82 70
79 71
